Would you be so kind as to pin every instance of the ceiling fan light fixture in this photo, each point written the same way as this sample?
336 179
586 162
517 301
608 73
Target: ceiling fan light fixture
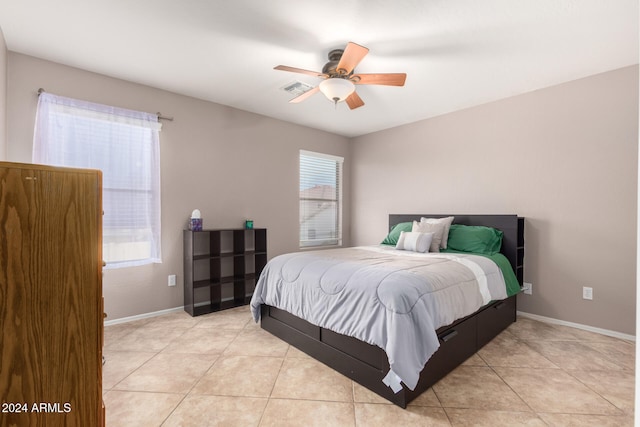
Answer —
337 89
339 78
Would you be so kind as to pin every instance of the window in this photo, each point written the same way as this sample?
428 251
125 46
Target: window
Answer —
125 146
320 200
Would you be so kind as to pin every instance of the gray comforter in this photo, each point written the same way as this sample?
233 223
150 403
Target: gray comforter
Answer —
386 297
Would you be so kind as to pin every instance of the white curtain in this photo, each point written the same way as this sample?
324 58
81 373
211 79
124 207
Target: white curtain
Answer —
125 146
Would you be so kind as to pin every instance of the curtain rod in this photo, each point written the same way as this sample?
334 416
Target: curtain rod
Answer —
160 116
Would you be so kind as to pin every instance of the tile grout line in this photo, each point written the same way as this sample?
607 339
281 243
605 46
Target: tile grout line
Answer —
270 397
273 386
568 372
509 385
622 411
195 383
153 357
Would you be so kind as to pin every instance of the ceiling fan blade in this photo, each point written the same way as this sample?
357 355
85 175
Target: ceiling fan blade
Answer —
354 101
351 57
300 71
391 79
305 95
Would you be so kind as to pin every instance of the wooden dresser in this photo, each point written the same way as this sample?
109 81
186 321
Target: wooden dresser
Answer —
51 307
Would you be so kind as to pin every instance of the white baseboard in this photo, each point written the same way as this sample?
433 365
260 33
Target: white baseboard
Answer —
142 316
578 326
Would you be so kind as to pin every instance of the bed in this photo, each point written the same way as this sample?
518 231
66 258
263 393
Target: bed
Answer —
384 365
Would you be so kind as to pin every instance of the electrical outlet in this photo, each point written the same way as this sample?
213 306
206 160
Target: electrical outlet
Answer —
587 293
527 288
172 280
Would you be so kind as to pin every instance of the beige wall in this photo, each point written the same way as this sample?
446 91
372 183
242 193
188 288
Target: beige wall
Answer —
3 97
228 163
564 157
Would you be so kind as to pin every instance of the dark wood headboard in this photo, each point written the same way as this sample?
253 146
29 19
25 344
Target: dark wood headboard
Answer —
508 224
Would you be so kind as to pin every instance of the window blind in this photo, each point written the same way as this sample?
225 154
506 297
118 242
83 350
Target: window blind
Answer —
320 199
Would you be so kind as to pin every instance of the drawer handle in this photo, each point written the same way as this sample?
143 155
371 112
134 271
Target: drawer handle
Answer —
499 305
448 336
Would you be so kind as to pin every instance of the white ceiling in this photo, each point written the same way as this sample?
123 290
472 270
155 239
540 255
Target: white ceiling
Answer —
456 53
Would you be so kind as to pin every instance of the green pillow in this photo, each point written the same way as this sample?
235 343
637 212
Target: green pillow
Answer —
474 238
394 234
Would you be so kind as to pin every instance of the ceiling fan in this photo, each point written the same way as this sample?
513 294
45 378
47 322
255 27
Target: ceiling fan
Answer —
339 80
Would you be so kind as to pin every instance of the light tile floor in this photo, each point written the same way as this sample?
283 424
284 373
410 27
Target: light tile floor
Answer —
222 369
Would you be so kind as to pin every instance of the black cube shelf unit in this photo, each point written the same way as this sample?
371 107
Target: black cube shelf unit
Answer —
221 267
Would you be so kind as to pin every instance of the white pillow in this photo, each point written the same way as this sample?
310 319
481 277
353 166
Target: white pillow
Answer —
447 225
436 229
416 242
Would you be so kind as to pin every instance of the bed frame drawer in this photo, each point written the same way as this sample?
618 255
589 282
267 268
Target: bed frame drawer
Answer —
292 321
367 353
457 344
494 319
